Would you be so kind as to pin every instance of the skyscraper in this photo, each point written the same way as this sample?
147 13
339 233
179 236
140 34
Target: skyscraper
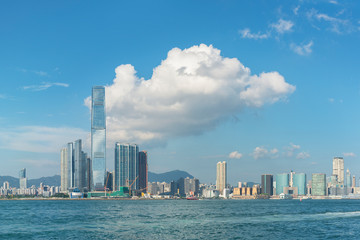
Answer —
143 171
267 184
282 180
221 176
318 184
98 138
338 169
126 166
73 166
22 178
64 169
353 182
299 181
348 178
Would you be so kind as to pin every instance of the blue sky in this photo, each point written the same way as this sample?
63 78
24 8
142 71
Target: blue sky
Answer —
52 53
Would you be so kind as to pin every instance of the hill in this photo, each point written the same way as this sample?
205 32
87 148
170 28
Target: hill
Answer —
168 176
14 182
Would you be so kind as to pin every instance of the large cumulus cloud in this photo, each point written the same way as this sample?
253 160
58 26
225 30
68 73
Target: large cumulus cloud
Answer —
190 92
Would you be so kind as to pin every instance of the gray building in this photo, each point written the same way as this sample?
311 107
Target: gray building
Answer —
267 184
98 138
22 178
318 184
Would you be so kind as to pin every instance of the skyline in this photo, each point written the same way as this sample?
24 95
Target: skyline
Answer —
301 126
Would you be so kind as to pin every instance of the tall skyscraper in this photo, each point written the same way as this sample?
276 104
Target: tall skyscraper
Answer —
126 166
98 138
338 169
318 184
143 171
73 167
353 182
64 169
221 176
282 180
267 184
22 178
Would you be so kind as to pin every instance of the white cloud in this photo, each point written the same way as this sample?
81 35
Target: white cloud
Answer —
262 152
282 26
296 10
331 100
349 154
39 138
304 49
41 73
333 2
246 33
303 155
2 96
190 92
337 25
44 86
235 154
290 150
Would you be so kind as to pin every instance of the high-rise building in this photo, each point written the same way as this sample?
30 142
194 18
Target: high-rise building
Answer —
74 167
318 184
98 138
126 166
299 181
348 178
338 169
221 176
6 185
353 182
282 181
267 184
143 171
64 169
22 178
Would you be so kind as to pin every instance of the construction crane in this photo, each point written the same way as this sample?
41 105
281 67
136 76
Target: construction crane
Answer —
132 184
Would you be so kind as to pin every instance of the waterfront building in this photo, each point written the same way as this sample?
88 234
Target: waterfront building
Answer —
353 182
23 179
126 166
73 166
98 138
282 181
299 181
348 179
143 171
221 176
267 184
6 185
109 180
338 169
318 184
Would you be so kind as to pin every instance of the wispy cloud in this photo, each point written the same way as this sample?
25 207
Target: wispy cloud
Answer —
44 86
296 10
303 50
39 139
337 25
349 154
282 26
262 152
246 33
235 154
302 155
37 72
2 96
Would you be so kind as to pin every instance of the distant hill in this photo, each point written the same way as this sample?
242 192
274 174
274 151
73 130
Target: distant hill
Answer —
14 182
168 176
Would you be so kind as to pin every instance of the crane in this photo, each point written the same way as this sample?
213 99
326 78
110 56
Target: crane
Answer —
132 184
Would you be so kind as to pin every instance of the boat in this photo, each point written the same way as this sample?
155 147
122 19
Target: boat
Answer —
192 198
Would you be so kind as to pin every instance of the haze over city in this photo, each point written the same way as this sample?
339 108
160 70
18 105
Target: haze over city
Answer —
267 95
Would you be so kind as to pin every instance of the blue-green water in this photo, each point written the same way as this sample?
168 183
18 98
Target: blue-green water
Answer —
180 219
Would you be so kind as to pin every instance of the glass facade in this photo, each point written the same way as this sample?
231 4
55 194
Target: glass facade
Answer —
267 184
98 138
143 171
22 178
126 166
318 182
282 180
299 181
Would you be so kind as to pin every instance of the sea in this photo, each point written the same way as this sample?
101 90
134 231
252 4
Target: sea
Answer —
179 219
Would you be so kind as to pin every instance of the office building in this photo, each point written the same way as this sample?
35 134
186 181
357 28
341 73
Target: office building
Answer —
338 169
126 166
348 179
6 185
282 181
318 184
98 138
353 182
267 184
299 182
221 176
143 171
22 178
74 168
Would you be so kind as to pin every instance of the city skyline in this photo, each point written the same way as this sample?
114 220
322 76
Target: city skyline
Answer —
296 61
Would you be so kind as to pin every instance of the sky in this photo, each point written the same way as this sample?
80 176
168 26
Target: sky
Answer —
268 86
